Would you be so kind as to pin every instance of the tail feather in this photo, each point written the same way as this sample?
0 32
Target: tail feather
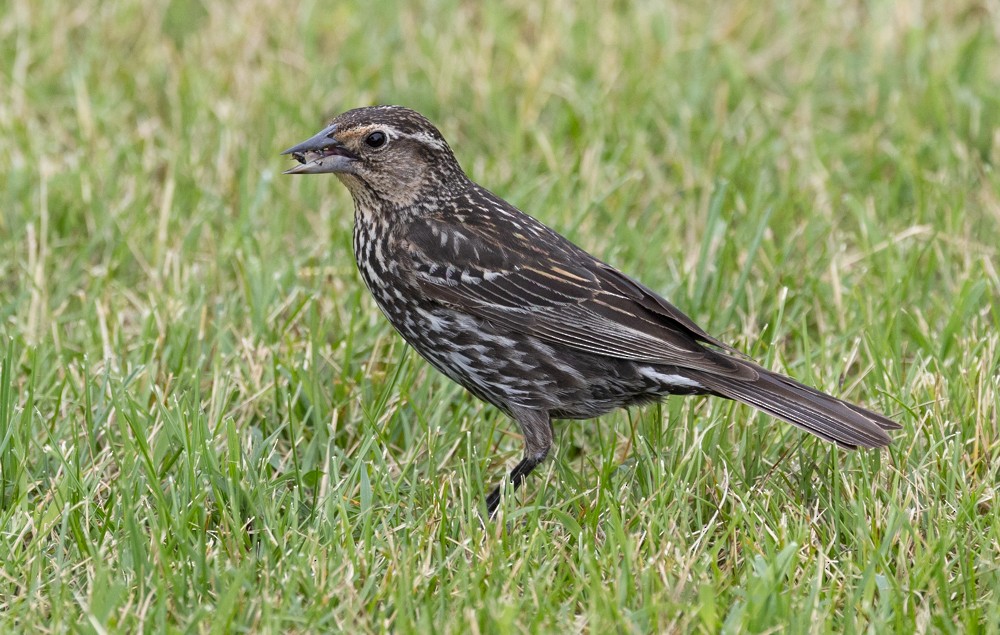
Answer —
825 416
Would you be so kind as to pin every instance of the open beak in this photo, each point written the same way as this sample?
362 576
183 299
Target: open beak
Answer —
321 154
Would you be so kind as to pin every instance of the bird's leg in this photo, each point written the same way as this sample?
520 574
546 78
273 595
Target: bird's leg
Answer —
537 430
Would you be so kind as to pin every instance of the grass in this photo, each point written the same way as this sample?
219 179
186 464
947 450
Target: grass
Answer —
206 426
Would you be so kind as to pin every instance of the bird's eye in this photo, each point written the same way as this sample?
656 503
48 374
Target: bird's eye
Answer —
376 139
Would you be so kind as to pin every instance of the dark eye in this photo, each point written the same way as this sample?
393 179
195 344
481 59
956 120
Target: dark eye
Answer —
376 139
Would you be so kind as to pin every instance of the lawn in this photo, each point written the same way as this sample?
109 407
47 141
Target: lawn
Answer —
207 426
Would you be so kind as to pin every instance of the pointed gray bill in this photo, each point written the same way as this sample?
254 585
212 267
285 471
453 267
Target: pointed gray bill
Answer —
321 154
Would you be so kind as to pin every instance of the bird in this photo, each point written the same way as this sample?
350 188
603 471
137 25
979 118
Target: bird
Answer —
520 316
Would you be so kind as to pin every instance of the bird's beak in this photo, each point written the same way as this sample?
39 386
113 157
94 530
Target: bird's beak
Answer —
321 154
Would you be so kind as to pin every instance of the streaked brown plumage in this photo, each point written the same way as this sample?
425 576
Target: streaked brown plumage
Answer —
517 314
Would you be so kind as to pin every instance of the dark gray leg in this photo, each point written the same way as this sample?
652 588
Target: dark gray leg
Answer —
537 430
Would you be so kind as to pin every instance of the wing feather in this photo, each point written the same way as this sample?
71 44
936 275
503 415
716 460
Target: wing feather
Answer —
559 294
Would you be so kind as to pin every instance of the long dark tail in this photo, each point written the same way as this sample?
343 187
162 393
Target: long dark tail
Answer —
825 416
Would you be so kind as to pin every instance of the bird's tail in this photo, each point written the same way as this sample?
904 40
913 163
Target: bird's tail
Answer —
825 416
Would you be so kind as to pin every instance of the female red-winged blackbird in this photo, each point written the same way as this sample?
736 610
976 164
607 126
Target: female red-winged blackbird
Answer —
517 314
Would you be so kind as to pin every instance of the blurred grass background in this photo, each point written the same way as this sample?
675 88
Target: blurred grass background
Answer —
206 426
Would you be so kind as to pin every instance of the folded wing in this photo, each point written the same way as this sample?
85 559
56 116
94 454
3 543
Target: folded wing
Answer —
548 288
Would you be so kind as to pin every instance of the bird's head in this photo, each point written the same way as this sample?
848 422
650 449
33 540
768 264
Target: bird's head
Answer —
390 152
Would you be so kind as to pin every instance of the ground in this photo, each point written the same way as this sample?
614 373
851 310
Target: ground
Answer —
206 426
